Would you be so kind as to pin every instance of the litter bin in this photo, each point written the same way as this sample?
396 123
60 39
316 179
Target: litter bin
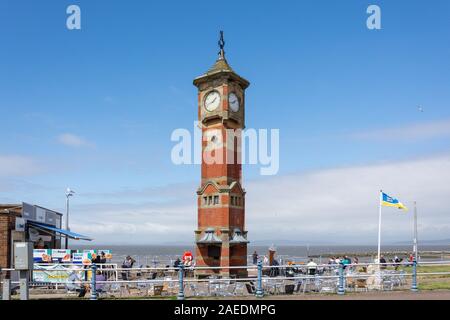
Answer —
289 289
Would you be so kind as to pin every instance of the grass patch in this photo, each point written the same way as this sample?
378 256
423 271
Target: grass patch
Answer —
431 269
434 285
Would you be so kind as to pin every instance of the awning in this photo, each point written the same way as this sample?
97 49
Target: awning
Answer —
238 237
67 233
209 237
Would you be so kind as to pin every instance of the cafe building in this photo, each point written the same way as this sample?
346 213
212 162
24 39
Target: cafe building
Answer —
27 222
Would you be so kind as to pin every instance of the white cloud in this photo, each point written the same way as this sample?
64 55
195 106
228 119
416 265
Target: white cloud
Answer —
328 206
15 165
419 131
72 140
339 205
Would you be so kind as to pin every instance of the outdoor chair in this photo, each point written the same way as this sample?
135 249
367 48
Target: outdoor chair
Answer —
312 271
143 288
298 286
328 285
72 286
111 289
387 284
250 288
402 277
198 289
269 286
239 289
213 285
168 286
361 285
224 288
311 283
289 288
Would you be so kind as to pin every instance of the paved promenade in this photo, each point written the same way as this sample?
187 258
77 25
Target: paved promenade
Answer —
392 295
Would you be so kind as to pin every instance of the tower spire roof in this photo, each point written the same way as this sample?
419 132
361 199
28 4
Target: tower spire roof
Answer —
221 63
221 66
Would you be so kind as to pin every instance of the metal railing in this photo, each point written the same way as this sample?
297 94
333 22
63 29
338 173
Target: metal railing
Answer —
259 280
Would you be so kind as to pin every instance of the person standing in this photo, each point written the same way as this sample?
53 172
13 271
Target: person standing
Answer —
40 244
177 263
382 262
255 257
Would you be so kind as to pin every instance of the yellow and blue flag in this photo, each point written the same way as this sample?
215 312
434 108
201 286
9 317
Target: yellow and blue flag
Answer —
388 201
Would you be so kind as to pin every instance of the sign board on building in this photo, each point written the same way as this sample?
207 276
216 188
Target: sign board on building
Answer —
42 215
20 224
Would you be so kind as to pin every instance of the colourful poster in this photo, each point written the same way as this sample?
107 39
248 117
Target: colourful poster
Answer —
55 273
77 257
42 255
88 256
61 255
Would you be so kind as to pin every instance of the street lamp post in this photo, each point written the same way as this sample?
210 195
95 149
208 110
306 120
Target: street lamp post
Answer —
69 193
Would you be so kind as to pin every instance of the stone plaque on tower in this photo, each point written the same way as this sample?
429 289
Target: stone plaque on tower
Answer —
221 237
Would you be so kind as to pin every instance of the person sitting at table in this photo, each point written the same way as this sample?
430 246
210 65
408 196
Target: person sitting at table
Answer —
311 267
96 260
99 278
397 262
102 257
127 264
274 271
382 262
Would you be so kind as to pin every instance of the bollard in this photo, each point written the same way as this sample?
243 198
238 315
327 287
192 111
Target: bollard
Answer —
24 284
181 282
93 282
259 289
341 289
6 289
414 287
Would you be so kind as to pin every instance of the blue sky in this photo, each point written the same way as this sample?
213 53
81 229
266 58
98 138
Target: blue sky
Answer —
342 96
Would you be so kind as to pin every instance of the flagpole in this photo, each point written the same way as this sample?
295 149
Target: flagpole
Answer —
415 232
379 227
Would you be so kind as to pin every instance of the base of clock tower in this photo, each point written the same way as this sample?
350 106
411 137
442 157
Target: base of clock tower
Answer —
221 259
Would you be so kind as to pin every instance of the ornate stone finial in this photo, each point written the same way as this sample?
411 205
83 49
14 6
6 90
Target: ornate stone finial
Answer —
221 46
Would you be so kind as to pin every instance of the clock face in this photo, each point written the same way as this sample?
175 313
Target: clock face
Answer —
233 102
212 101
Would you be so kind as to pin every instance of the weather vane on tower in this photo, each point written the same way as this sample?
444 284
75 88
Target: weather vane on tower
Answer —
221 46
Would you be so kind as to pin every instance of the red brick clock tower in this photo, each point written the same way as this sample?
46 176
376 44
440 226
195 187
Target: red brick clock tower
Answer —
221 238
